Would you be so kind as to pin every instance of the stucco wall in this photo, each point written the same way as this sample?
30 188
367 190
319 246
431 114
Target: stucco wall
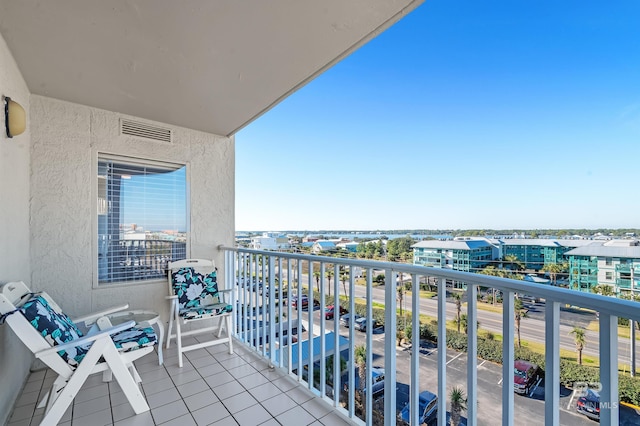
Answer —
14 228
66 139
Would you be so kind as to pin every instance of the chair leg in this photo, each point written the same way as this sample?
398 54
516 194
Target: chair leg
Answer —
169 330
179 343
229 334
220 325
125 380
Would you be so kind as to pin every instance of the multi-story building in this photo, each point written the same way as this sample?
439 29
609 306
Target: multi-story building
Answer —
612 263
469 255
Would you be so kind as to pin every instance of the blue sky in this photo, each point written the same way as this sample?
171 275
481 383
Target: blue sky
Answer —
462 115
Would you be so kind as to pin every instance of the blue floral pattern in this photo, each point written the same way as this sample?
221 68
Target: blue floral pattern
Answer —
197 294
57 328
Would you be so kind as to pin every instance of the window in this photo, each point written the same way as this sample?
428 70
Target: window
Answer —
608 261
609 276
142 218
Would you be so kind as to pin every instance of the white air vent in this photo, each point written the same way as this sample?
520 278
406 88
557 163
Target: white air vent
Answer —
146 131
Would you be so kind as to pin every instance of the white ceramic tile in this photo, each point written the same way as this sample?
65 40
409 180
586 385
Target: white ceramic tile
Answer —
228 390
210 414
144 419
265 391
252 416
239 402
100 418
200 400
92 393
162 398
186 420
92 406
278 404
296 416
193 388
169 411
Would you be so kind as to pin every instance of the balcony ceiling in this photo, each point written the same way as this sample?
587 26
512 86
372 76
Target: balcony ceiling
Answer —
208 65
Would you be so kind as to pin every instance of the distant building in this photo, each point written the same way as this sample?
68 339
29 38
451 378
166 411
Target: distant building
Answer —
323 245
270 241
613 263
465 254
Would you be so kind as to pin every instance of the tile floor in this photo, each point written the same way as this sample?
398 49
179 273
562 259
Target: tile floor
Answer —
213 387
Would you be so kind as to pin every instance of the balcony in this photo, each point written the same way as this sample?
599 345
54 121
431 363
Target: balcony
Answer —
267 379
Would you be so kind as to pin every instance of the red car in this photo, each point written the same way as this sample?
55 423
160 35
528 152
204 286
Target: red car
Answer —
329 311
525 376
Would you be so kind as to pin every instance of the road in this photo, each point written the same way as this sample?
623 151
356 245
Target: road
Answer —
529 409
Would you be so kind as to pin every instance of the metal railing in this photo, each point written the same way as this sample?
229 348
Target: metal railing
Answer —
267 319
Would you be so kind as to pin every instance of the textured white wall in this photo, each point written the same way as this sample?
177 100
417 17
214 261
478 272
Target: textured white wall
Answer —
14 228
66 139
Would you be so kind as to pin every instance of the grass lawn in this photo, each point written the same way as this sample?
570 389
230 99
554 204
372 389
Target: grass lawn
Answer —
623 331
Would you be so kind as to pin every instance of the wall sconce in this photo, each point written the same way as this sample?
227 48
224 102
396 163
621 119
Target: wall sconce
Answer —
15 120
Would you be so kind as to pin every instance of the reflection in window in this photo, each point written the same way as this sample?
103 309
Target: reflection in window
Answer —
142 218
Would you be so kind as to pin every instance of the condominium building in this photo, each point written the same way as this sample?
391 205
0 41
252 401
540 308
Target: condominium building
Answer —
612 263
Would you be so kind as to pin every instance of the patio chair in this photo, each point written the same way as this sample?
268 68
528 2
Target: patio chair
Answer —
194 297
58 342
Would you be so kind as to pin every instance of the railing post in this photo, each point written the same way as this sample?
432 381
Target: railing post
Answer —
369 396
390 348
442 351
472 354
415 349
272 310
508 328
552 363
609 411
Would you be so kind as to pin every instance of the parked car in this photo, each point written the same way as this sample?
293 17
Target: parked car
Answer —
589 404
346 319
428 408
377 381
361 324
525 376
329 311
304 301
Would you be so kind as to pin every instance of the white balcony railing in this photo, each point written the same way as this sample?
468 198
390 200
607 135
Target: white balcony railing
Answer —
267 321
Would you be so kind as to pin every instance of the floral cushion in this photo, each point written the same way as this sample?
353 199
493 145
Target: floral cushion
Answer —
197 313
57 328
194 289
54 326
135 338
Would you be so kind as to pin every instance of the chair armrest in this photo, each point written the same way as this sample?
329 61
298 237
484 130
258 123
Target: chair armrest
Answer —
93 317
86 339
171 297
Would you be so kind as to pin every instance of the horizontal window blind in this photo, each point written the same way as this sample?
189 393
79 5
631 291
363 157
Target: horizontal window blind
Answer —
142 218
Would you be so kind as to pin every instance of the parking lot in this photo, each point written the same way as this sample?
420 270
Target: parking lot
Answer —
529 409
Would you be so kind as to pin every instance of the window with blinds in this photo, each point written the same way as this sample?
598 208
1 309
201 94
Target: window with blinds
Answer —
142 218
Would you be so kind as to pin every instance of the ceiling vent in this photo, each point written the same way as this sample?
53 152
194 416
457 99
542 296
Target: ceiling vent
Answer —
143 130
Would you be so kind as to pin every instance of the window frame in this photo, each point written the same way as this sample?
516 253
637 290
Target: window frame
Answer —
99 156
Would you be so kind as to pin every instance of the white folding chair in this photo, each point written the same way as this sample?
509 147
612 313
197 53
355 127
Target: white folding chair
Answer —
194 297
56 340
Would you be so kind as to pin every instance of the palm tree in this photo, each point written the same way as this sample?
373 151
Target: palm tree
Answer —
553 269
464 321
458 404
457 297
316 275
329 274
344 277
580 341
519 313
360 358
400 297
513 261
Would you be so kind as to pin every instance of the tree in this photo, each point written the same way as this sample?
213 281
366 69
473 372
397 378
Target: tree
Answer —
400 297
329 274
513 262
344 277
457 297
580 341
360 358
458 404
316 275
519 313
554 269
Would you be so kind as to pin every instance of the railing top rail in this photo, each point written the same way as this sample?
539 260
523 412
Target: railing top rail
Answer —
609 305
